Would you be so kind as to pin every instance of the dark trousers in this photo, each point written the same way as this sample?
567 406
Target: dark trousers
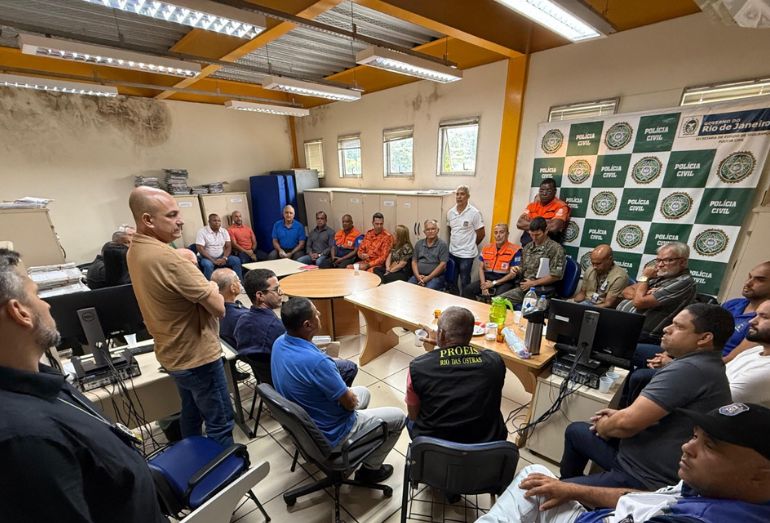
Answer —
463 266
582 445
245 258
473 289
402 275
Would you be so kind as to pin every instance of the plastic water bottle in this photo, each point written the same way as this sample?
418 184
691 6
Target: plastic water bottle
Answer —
530 301
542 303
515 344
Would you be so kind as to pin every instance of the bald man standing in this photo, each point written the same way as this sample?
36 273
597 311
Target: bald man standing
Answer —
180 309
604 282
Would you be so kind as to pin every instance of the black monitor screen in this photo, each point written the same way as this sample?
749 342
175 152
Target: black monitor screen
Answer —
617 333
116 307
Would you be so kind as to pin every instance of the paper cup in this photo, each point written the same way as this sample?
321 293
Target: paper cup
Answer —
517 317
130 339
419 336
605 383
355 267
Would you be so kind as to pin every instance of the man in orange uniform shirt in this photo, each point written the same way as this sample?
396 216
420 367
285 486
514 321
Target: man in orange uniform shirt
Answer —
548 206
344 250
375 246
243 241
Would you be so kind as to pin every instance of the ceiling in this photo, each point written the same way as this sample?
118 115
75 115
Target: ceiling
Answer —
304 39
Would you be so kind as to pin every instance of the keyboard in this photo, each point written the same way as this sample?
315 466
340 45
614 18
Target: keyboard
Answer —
143 349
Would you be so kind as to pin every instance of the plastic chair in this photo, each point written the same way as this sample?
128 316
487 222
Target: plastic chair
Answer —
457 468
336 464
197 474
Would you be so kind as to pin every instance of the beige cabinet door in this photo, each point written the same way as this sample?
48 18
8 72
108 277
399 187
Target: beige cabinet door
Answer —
408 215
224 204
382 203
353 204
429 209
190 207
316 201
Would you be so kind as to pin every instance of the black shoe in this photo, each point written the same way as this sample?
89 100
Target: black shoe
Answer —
366 475
452 498
240 376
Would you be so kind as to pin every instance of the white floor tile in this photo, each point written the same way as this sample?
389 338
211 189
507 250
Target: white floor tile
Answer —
406 344
371 505
398 380
351 345
364 379
387 364
280 478
514 390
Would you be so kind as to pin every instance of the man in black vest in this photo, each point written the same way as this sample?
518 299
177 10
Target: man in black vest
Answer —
454 391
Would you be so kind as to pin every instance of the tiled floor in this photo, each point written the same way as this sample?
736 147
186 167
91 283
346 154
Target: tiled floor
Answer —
386 379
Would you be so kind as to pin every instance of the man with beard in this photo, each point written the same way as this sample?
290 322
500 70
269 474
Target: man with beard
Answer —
749 371
62 460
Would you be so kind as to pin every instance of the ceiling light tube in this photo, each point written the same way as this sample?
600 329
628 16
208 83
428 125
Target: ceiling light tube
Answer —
410 65
559 19
56 86
266 108
200 14
291 85
106 56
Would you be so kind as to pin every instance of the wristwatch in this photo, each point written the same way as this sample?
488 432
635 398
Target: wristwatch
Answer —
494 283
642 279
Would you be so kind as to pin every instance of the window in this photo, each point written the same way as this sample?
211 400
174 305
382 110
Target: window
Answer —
349 148
314 156
583 110
458 143
398 146
725 91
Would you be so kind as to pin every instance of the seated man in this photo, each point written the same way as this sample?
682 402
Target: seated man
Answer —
243 241
259 327
496 260
344 250
96 276
749 372
229 287
453 392
651 430
430 258
319 244
755 291
724 470
661 291
546 206
288 237
604 282
540 248
305 375
213 244
375 247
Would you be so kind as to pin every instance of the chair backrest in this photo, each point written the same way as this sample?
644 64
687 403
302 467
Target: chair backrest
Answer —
702 297
569 281
358 241
450 273
310 441
462 468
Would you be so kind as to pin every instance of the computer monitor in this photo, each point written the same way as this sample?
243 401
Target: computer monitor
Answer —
116 307
614 342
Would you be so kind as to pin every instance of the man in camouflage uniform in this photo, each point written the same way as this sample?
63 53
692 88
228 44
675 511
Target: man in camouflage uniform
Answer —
540 247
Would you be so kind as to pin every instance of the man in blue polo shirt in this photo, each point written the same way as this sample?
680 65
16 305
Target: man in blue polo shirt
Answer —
755 291
259 327
288 237
305 375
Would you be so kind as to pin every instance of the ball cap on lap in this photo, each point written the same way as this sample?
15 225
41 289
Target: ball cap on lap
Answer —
743 424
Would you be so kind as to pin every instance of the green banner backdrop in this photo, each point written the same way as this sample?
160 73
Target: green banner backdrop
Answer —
639 180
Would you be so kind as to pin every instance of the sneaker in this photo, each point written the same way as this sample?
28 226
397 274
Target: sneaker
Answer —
367 475
240 376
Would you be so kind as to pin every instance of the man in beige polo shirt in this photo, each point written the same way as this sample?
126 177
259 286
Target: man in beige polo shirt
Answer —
180 309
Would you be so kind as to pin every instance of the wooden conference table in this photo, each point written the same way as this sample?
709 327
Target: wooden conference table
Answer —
281 267
327 288
401 304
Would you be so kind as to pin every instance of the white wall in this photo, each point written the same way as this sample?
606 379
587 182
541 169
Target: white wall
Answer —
84 153
646 67
421 104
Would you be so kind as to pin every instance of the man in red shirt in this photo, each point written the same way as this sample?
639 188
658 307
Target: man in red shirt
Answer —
243 241
548 206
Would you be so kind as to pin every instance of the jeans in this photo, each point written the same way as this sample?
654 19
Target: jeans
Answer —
245 258
366 418
323 262
463 266
208 267
204 395
437 283
582 445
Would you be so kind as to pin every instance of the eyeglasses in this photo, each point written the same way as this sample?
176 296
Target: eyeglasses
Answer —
666 261
277 290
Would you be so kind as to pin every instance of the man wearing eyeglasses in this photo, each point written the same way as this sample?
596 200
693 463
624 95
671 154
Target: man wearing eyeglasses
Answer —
663 290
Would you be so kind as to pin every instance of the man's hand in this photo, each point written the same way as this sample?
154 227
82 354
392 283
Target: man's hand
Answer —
526 285
282 254
486 285
554 491
420 279
219 262
485 292
659 360
250 254
650 272
596 420
430 339
363 256
314 256
363 266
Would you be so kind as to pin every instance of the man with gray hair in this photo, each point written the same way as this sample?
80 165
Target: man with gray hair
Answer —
466 232
429 260
664 288
454 391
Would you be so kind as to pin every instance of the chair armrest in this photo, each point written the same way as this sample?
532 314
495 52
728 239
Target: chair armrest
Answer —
214 463
377 432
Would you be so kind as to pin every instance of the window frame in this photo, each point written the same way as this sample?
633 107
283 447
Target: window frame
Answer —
320 143
393 135
450 124
752 88
581 110
341 158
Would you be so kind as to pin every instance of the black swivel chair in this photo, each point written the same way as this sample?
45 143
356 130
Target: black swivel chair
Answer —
457 468
336 464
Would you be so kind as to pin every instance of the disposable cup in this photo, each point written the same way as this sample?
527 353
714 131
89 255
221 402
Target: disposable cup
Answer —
130 339
605 383
355 267
517 317
419 336
491 331
612 375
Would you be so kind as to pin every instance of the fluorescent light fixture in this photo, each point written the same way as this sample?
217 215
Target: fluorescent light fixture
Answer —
56 86
200 14
559 19
410 65
266 108
725 92
290 85
107 56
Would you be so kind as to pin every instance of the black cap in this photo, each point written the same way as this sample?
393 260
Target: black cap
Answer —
743 424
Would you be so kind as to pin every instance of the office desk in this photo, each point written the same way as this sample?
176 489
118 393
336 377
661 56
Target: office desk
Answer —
281 267
327 289
157 393
401 304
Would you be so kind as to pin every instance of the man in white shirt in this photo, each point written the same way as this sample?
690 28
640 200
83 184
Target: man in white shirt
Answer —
466 231
214 248
749 372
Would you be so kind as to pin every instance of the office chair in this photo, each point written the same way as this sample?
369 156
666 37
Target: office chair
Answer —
457 468
199 475
702 297
336 464
569 281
